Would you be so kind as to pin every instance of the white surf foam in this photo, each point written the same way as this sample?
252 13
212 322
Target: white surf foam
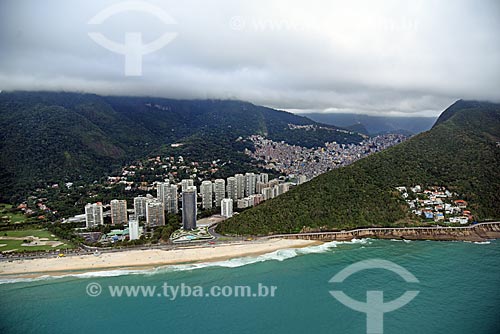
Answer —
90 274
279 255
401 240
479 242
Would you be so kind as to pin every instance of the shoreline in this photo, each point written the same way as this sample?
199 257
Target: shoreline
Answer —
153 258
142 259
475 233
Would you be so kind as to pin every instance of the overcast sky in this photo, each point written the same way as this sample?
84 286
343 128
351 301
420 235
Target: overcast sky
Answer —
376 57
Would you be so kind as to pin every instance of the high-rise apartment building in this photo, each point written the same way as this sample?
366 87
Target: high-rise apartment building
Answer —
186 183
232 190
240 185
93 215
140 207
172 205
155 213
119 212
227 207
206 191
189 203
162 190
264 177
250 183
219 191
267 193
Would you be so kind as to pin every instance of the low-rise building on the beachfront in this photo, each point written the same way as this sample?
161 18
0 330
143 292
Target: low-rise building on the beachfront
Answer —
428 214
436 202
438 217
461 220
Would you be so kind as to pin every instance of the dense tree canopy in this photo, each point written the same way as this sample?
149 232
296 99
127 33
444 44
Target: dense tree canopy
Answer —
56 137
461 152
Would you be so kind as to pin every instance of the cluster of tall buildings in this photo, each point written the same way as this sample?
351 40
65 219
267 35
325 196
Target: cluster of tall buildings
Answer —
241 190
94 216
251 189
240 186
149 208
167 193
244 191
210 191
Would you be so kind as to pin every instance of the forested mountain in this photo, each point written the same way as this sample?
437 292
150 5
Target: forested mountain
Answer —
49 137
375 124
461 152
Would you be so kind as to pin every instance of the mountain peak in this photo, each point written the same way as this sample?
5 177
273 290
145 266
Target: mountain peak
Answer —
461 106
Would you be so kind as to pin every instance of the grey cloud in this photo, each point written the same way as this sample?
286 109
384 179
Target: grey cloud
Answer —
384 57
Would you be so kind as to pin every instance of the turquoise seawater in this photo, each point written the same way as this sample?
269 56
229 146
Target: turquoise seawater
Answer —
459 286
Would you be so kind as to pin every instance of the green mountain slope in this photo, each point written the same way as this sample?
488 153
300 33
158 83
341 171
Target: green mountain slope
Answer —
461 152
48 137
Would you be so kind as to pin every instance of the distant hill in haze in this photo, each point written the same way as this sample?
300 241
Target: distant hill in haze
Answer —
50 137
376 124
461 152
358 127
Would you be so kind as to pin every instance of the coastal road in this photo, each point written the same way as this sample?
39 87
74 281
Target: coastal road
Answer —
211 230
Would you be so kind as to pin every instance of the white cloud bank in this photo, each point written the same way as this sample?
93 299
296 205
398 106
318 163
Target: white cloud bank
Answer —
375 57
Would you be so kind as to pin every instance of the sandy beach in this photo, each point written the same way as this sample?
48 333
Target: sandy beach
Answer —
144 258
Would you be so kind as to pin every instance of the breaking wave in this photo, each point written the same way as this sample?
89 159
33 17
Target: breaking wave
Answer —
279 255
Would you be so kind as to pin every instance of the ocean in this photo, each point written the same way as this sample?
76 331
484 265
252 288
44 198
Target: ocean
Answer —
458 292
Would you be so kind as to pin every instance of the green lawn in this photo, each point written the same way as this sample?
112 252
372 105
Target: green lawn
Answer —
25 233
13 217
16 244
10 244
